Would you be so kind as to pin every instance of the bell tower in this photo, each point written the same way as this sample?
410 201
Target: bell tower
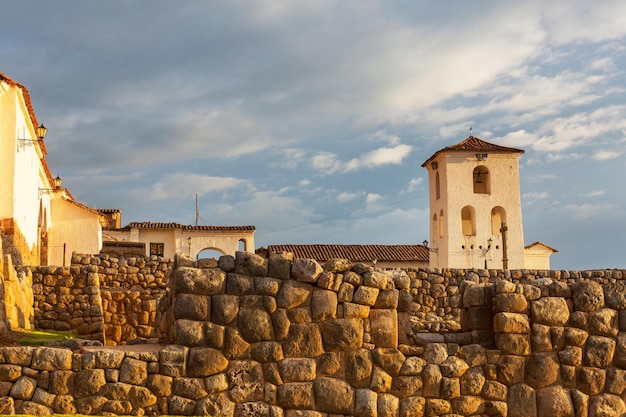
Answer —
475 208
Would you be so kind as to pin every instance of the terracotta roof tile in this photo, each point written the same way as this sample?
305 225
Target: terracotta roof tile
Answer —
473 144
356 253
171 225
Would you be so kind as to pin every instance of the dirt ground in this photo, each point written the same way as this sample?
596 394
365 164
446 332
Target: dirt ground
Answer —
11 338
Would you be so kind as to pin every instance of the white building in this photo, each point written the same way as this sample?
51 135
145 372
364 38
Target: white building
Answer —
167 239
475 208
41 222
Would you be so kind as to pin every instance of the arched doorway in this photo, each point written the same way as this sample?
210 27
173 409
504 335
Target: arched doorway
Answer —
208 253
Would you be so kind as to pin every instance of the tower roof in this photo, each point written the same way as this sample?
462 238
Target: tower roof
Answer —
473 144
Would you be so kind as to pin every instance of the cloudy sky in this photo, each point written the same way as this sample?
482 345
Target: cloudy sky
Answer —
310 119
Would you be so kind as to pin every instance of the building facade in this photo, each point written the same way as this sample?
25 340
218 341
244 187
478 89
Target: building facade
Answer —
475 208
41 222
168 239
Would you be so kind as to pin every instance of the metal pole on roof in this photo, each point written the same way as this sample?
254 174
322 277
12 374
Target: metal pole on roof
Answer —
197 212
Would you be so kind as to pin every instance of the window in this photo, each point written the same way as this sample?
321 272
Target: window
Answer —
157 249
442 225
437 188
498 216
242 245
468 221
434 227
481 180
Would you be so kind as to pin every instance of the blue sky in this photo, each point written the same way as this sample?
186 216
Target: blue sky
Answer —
310 119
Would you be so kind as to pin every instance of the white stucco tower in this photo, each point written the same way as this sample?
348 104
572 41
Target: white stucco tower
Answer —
475 209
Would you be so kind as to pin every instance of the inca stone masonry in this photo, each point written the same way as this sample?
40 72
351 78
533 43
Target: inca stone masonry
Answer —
251 336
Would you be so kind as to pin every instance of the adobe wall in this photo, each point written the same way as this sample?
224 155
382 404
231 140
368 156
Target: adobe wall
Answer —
251 336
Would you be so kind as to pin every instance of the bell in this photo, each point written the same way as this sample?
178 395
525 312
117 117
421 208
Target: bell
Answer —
479 179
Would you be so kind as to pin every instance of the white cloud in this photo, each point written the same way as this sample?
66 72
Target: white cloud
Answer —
345 197
373 199
534 196
585 211
415 183
605 155
304 182
596 193
184 184
329 163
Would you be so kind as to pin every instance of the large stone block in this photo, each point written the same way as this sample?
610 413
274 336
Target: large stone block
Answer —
359 366
173 360
431 379
245 379
280 265
468 405
334 396
384 327
192 307
603 322
133 371
522 401
542 369
511 323
239 284
323 304
599 351
249 263
304 340
510 303
306 270
606 405
365 404
255 325
51 359
264 352
381 380
388 405
224 308
453 367
407 386
365 295
192 388
588 296
552 311
555 402
342 334
209 281
513 344
293 294
472 381
615 296
389 359
296 395
412 407
380 280
206 362
510 369
215 405
297 369
590 380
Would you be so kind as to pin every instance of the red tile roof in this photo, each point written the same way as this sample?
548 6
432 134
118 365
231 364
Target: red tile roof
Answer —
472 144
356 253
171 225
540 244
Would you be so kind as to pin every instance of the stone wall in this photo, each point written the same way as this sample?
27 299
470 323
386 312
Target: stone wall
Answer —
101 297
249 336
16 296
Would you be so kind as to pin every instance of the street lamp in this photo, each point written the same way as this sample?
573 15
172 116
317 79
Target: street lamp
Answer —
41 133
57 184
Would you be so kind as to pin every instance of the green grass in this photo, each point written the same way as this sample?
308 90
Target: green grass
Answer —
41 337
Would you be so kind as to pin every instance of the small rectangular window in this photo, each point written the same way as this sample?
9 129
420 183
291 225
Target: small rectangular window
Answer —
157 249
